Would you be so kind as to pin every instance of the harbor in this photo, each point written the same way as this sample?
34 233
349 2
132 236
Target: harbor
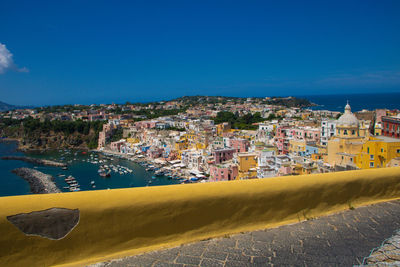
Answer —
82 166
173 170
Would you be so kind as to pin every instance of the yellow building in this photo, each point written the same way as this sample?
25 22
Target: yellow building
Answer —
223 128
297 147
348 142
378 129
132 141
303 169
247 165
179 146
377 152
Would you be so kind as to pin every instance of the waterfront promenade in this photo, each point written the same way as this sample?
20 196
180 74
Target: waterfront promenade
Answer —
341 239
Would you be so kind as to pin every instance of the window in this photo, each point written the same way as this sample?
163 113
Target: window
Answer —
345 132
398 151
371 156
382 150
353 132
367 150
351 159
371 164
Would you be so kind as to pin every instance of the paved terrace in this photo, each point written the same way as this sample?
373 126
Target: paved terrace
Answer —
341 239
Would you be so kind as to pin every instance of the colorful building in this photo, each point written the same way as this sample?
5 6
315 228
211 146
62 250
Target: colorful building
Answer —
328 130
347 144
221 155
377 152
240 145
247 165
297 147
391 126
223 172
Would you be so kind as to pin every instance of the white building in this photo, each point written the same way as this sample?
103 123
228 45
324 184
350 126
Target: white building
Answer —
328 129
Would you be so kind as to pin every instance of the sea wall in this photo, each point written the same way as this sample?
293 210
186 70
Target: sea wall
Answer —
121 222
44 162
39 182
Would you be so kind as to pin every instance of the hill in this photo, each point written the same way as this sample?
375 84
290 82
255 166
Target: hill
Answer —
282 101
6 107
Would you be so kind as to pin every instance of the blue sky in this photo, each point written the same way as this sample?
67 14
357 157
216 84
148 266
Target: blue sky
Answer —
118 51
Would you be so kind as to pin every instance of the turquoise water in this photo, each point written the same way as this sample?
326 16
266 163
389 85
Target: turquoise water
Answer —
78 167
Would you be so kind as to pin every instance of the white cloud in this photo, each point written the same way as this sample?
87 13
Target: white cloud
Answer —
7 62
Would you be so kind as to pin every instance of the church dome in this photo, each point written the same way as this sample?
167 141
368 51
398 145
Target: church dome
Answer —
348 118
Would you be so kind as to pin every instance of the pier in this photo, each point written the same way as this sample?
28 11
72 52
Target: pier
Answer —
44 162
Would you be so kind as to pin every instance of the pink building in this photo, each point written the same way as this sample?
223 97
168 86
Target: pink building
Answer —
115 146
307 133
221 155
104 135
155 153
145 124
379 114
240 145
224 172
282 136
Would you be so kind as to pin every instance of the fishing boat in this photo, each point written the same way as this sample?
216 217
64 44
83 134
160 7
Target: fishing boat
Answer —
105 174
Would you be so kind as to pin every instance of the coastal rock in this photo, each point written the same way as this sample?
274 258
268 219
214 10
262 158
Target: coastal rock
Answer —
40 183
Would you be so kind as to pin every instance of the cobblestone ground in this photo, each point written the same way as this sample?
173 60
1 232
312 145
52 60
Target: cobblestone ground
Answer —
342 239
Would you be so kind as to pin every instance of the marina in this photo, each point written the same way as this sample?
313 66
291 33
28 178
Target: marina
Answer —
82 171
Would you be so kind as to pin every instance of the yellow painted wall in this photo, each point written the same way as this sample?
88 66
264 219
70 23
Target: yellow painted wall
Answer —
337 145
383 152
121 222
247 161
132 140
181 145
296 146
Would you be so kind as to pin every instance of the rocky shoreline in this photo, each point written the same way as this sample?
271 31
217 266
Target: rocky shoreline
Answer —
44 162
39 182
25 146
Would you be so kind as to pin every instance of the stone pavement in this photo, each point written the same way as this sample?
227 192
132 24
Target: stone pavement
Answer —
342 239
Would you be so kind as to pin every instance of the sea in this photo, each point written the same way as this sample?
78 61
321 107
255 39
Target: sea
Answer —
357 102
80 166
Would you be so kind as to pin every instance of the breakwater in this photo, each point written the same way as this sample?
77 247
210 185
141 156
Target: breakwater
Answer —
39 182
44 162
